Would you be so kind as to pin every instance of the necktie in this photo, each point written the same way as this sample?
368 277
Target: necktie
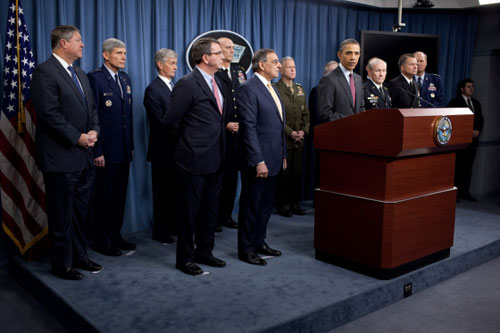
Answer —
276 99
216 93
381 91
119 85
353 88
412 86
75 80
469 103
420 84
171 84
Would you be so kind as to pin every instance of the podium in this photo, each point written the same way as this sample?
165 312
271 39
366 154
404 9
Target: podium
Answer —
386 200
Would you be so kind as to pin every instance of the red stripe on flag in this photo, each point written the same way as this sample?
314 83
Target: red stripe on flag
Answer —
13 228
18 163
16 197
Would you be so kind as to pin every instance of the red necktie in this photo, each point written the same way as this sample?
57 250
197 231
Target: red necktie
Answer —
353 88
216 93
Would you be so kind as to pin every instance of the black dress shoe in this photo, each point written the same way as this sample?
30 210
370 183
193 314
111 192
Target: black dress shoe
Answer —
210 261
298 211
126 246
231 224
164 239
89 265
265 249
68 273
189 268
252 258
285 213
108 250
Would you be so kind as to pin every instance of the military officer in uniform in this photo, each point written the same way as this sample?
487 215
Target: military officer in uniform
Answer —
112 91
296 128
231 75
430 87
376 95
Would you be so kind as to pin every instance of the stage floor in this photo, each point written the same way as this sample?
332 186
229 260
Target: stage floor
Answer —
294 292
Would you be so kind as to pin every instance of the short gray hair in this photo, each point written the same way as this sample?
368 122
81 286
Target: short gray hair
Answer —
415 54
285 59
374 61
260 56
328 64
112 43
163 54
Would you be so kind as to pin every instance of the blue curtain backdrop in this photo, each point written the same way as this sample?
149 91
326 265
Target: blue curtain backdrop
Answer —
310 31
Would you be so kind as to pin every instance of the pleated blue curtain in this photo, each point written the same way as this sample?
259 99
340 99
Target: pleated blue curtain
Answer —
310 31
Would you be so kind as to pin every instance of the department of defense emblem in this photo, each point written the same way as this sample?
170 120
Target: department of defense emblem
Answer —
442 130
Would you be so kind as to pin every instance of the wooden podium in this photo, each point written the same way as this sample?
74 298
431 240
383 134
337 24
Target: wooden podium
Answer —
386 201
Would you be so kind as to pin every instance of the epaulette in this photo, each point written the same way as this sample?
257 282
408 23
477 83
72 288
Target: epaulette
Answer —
96 70
298 84
434 75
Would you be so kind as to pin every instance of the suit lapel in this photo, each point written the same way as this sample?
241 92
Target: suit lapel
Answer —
343 83
69 81
206 89
270 98
112 83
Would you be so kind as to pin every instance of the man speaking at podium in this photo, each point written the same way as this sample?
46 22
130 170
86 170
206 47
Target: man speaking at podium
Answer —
340 93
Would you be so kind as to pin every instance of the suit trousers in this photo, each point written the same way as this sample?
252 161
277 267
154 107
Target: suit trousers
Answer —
229 182
68 197
256 205
163 179
198 205
463 169
288 191
109 204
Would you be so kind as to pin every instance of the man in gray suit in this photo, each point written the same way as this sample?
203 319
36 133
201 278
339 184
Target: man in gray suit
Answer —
340 93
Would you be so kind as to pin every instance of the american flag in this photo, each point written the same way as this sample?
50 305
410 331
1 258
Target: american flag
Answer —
22 189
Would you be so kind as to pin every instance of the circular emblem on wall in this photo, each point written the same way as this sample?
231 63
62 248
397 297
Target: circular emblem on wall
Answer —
442 130
243 51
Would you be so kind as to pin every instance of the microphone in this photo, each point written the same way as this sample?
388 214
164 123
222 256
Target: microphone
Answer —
420 98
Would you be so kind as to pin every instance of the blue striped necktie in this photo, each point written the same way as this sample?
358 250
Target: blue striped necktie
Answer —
77 83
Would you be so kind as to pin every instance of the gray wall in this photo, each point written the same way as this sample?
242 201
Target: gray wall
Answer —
485 71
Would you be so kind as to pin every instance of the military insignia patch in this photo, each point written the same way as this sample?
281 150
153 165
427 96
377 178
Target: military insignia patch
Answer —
108 103
442 130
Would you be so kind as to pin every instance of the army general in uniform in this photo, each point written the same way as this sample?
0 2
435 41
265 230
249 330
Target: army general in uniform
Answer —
296 128
113 152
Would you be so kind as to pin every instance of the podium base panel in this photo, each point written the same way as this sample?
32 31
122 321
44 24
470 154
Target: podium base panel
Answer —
381 273
382 234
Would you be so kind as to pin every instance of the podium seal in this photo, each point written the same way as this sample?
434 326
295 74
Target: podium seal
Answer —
442 130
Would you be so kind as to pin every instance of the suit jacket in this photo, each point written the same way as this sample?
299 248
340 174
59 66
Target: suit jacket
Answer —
401 94
374 99
62 116
230 85
335 98
261 127
116 140
431 91
296 111
196 122
459 102
156 101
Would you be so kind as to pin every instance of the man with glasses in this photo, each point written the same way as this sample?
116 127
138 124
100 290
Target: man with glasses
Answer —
196 119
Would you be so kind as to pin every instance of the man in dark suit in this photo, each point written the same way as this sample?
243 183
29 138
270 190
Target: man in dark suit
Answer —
313 96
112 154
465 157
429 84
264 155
196 118
403 89
376 95
67 129
160 148
340 93
231 76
